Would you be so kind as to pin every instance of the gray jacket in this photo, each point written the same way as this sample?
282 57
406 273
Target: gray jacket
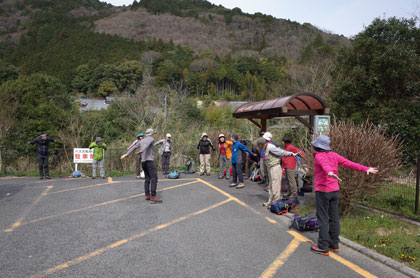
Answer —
146 149
162 147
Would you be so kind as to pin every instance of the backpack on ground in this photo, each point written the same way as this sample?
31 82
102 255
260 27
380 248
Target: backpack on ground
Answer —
284 206
256 174
173 175
308 222
191 167
77 174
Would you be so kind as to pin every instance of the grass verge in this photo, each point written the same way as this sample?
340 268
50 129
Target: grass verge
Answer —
384 234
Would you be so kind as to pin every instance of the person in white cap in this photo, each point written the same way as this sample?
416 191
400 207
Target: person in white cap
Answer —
165 152
272 158
204 147
149 166
98 157
225 154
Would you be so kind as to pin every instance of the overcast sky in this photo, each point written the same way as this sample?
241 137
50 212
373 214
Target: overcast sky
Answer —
344 17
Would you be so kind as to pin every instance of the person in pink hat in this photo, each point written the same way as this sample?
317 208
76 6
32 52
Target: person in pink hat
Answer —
327 193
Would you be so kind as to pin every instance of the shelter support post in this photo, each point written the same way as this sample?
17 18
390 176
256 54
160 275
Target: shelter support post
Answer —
264 125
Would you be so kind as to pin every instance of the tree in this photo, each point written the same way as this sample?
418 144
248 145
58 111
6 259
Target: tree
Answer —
379 79
128 75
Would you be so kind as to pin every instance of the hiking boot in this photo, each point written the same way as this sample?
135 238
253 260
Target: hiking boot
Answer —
47 178
261 182
332 249
266 205
233 184
241 185
147 197
41 178
323 252
228 177
220 177
201 174
208 174
155 200
138 177
103 178
93 178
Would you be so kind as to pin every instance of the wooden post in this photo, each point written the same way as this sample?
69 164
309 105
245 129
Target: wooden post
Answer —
264 125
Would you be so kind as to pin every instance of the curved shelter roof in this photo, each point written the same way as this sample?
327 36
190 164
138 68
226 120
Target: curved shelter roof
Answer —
296 105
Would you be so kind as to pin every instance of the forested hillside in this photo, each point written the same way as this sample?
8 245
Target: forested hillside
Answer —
160 56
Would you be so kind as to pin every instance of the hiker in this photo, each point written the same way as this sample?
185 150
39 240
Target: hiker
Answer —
237 161
225 154
165 151
98 157
272 157
289 165
263 168
149 166
327 193
204 147
43 142
246 157
139 137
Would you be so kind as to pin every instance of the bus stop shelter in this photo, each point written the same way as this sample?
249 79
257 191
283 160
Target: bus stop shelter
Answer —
297 105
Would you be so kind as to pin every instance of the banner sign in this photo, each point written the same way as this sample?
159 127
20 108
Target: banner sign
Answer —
82 155
322 124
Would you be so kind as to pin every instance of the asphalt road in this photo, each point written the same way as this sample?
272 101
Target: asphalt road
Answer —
203 228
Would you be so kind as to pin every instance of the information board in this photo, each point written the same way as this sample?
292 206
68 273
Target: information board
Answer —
82 155
322 124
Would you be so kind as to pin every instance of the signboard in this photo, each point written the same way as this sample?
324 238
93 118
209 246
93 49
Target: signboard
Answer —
82 155
322 124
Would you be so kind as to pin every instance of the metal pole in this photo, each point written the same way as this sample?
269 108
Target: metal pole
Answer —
416 205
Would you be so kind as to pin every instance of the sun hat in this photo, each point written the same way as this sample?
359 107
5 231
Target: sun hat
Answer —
267 136
43 134
150 131
204 134
322 142
168 135
140 135
221 135
260 141
98 139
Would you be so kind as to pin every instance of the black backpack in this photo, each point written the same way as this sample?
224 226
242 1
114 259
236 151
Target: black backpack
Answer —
308 222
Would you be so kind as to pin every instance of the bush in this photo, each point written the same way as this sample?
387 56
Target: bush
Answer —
367 145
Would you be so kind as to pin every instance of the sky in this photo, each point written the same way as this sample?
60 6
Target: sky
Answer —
342 17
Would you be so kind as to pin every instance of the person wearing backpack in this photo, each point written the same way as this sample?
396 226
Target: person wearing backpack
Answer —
237 161
98 157
327 193
139 137
225 154
204 147
42 142
272 158
149 166
165 152
289 165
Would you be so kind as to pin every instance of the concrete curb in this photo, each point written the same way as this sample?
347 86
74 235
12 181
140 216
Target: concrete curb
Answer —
376 256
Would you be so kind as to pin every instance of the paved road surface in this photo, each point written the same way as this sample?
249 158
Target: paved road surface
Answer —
105 228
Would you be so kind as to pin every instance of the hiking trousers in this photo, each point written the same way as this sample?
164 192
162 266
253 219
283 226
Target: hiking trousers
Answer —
291 177
99 163
138 164
274 184
328 219
43 165
166 156
150 177
237 172
204 162
224 162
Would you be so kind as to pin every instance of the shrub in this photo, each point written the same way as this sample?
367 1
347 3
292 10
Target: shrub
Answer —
364 144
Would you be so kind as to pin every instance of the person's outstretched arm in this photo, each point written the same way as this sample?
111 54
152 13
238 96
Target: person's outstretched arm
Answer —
280 152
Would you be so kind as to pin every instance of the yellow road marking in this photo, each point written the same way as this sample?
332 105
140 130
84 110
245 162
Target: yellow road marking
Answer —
27 210
102 204
352 266
10 178
123 241
281 259
82 187
185 179
291 248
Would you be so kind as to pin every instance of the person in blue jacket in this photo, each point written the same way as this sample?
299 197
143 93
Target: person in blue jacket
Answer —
237 161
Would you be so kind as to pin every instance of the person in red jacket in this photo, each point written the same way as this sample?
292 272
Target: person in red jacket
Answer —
289 165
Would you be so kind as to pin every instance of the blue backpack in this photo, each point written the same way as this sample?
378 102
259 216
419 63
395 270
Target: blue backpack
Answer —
308 222
173 175
77 174
284 206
